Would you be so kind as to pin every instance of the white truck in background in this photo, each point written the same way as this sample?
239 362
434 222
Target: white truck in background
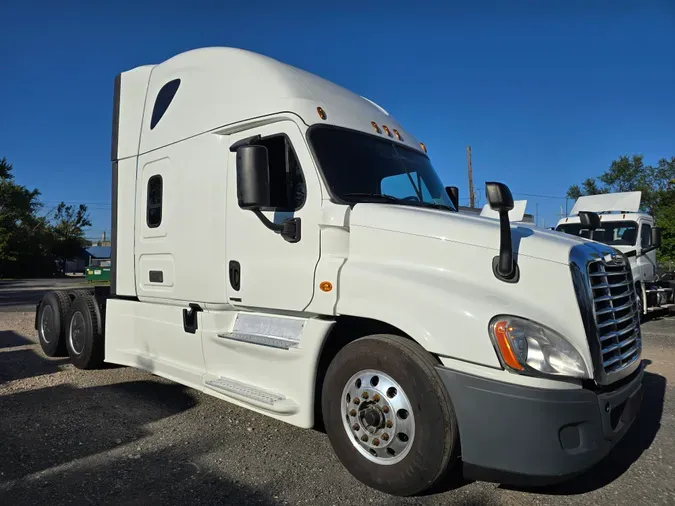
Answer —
284 244
615 219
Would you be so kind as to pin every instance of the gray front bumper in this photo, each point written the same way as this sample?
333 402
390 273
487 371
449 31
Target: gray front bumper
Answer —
547 434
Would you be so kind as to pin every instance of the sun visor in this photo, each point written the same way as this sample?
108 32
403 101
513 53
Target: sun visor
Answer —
628 202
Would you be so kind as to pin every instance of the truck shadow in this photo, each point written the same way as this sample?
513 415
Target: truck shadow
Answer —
18 361
48 427
639 437
158 477
10 339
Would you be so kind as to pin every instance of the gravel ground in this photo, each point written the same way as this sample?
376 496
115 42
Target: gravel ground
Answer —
122 436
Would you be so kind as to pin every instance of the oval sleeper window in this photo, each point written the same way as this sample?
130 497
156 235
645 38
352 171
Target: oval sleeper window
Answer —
164 98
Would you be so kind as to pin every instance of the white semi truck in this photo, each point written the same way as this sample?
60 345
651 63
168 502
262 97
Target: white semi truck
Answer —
284 244
615 219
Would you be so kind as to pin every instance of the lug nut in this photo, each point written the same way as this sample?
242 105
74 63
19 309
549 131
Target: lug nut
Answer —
385 409
356 400
364 395
389 424
376 398
385 436
364 438
352 412
356 427
376 442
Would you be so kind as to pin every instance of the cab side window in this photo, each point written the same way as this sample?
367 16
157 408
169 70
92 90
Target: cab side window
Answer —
153 214
646 235
287 183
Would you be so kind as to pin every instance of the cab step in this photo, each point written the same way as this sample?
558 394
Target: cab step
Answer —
280 343
253 395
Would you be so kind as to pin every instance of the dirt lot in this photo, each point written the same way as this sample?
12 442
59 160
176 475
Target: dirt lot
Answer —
122 436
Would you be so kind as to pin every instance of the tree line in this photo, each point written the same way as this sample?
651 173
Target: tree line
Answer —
657 184
35 241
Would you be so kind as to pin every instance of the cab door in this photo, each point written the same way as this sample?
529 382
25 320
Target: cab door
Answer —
265 270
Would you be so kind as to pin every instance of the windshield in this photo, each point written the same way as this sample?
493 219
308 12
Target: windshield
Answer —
614 233
359 167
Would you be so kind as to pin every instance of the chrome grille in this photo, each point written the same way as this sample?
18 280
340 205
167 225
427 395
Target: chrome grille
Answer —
617 319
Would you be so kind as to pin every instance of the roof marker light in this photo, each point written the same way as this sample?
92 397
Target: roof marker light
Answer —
386 130
375 127
322 113
424 148
398 135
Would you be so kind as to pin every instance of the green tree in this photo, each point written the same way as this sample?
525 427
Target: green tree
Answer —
657 184
29 243
20 227
588 187
67 230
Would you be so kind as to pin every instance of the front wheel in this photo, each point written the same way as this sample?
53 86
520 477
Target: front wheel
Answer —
388 416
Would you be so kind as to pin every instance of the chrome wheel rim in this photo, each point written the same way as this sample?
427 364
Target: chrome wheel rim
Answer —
46 322
77 332
378 417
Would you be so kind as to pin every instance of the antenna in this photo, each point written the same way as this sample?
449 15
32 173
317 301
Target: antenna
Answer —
472 197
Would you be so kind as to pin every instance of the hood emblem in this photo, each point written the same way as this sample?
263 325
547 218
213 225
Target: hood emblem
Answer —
614 259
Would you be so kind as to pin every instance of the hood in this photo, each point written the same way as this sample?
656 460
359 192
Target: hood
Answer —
461 228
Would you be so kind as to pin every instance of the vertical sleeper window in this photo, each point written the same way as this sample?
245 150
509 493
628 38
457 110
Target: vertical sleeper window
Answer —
154 210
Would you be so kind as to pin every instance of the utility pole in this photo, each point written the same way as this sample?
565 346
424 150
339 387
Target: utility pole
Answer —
472 201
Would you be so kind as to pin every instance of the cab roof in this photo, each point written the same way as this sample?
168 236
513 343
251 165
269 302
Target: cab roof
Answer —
216 88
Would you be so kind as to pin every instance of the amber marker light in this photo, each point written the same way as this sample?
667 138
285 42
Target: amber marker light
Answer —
326 286
424 148
386 130
501 331
398 135
375 127
322 113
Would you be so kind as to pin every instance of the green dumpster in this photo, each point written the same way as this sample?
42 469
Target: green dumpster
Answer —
98 271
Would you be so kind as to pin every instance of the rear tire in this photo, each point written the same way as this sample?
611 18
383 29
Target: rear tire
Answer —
84 333
79 293
52 320
401 437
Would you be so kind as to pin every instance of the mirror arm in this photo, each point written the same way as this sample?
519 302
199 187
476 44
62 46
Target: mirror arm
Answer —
244 142
289 229
504 266
648 249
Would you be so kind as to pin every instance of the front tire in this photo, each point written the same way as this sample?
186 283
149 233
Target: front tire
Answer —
84 335
388 416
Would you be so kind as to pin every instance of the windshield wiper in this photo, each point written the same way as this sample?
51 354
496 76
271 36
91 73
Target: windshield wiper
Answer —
433 205
380 196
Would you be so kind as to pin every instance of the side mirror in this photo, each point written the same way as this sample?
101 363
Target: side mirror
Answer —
500 199
589 219
453 193
253 177
253 189
656 237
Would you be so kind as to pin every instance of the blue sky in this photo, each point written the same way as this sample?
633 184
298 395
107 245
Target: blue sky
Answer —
546 93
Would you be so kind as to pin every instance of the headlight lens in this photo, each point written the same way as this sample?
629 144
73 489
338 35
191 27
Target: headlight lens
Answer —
526 346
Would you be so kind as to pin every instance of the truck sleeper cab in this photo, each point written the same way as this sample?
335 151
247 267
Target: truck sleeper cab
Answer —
284 244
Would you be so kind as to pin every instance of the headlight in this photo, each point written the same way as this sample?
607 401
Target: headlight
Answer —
525 346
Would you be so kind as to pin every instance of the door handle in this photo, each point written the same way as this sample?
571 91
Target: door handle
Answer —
190 318
235 275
